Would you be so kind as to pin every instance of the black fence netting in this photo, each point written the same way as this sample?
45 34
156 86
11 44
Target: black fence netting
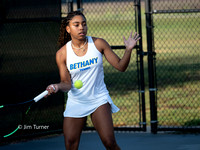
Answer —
29 9
27 62
177 47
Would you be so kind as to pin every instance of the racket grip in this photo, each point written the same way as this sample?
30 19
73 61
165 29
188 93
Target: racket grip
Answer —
40 96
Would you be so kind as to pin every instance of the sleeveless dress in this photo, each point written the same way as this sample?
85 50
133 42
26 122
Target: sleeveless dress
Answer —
89 69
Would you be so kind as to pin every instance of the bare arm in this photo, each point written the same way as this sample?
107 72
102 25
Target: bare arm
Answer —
65 80
112 58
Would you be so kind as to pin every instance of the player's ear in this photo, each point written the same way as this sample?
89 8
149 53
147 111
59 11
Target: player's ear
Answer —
68 29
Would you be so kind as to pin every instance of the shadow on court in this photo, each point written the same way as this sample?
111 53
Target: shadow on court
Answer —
127 141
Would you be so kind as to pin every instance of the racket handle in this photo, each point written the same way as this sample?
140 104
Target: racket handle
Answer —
40 96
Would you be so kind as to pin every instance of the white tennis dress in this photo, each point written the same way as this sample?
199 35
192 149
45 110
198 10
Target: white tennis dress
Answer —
89 69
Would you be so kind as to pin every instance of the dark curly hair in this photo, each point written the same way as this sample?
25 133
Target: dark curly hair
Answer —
64 36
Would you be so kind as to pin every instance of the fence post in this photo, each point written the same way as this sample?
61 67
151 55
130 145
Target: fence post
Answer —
79 5
140 54
70 5
151 70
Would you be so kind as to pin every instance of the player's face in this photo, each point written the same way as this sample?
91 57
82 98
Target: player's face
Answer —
77 27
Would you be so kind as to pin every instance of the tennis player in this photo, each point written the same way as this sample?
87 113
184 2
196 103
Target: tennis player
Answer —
81 58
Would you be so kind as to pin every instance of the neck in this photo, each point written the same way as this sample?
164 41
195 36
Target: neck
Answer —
80 46
79 43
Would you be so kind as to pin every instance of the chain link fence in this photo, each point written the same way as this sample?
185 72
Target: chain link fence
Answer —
177 47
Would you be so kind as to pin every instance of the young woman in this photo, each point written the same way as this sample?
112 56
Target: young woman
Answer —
81 58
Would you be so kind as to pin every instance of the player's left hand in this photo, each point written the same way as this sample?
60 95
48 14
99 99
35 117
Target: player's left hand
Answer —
131 42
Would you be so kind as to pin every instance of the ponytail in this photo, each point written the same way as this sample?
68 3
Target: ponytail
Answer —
64 36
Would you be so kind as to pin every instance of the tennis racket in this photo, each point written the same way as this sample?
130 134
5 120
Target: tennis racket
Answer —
18 112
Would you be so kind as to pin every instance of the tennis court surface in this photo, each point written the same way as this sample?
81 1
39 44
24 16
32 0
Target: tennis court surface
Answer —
127 141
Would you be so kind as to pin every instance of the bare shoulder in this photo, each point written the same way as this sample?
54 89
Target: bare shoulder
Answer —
61 54
98 40
61 51
100 44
